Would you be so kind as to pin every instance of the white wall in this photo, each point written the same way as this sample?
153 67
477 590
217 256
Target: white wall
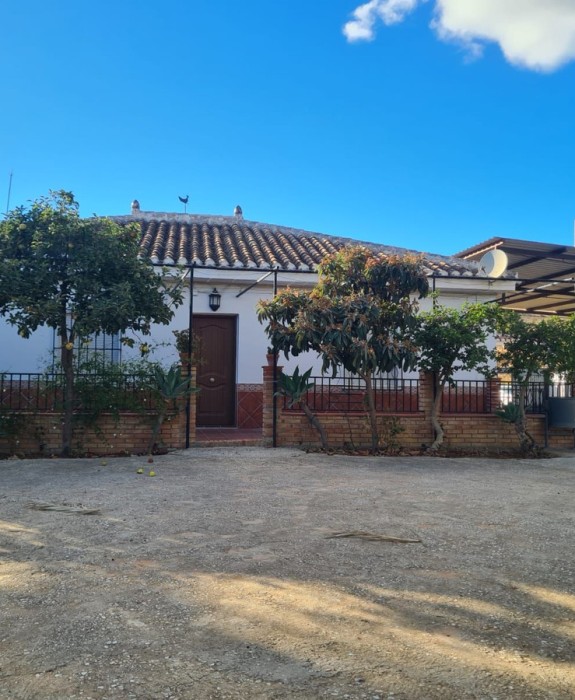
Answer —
252 342
19 355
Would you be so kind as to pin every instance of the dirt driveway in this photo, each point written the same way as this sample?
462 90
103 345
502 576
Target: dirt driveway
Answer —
219 578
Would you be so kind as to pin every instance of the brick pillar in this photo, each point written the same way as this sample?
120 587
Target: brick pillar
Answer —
268 404
493 394
426 400
425 393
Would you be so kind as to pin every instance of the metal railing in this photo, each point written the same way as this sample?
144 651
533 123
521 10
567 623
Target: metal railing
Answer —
37 392
347 395
466 396
462 396
535 395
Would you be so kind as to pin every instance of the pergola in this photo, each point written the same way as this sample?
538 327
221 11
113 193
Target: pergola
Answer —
545 274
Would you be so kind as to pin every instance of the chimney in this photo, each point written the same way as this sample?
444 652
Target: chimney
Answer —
135 207
238 212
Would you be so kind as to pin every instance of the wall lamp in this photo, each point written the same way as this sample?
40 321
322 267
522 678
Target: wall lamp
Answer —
215 300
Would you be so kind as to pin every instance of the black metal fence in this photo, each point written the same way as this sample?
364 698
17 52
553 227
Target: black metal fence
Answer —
462 396
37 392
536 394
347 395
467 396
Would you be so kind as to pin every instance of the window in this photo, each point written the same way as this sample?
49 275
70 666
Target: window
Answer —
100 346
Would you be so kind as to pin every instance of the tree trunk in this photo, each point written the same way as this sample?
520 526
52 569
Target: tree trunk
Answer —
435 413
314 420
157 429
67 359
372 414
526 440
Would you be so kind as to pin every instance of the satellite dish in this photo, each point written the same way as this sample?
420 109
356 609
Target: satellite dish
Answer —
494 263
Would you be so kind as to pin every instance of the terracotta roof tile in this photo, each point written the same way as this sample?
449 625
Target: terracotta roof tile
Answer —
229 241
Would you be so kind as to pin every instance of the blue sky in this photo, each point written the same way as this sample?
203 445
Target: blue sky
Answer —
385 129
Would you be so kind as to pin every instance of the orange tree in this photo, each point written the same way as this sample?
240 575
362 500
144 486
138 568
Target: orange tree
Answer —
450 340
358 317
529 347
79 277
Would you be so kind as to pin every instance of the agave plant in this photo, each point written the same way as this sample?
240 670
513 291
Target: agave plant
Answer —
509 413
170 386
295 388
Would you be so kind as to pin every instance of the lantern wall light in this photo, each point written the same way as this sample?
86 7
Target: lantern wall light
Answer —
214 300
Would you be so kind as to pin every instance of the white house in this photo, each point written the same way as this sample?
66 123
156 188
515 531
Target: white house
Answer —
241 261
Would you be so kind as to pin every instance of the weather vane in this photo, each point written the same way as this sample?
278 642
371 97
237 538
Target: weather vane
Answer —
184 200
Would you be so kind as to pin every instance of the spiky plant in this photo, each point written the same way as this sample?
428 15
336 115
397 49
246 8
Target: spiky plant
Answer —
170 386
295 387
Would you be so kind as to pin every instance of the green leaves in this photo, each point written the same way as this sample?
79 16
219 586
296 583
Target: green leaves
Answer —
529 347
358 270
358 317
451 339
510 413
170 383
78 276
59 270
294 387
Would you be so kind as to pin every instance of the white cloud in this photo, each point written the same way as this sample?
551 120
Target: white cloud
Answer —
537 34
361 27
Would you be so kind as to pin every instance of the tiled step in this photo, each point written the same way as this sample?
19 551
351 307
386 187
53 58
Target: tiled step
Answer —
228 443
228 437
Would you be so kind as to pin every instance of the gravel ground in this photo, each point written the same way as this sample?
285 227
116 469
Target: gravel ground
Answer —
218 577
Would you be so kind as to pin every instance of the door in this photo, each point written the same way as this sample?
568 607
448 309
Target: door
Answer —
216 371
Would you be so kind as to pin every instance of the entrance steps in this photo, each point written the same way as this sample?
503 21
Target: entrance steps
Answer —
228 437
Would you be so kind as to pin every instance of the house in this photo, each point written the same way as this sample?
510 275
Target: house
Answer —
229 264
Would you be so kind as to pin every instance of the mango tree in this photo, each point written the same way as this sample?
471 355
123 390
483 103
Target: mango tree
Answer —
359 317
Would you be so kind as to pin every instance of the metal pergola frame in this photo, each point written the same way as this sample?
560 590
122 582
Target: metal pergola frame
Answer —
545 282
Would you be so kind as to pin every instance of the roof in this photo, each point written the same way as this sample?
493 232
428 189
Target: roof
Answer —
231 242
545 272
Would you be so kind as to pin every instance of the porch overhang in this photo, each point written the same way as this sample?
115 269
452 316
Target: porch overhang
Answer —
545 282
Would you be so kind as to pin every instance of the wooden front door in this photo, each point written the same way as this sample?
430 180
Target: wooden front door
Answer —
216 372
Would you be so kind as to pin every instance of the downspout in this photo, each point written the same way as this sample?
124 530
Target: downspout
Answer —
190 346
275 381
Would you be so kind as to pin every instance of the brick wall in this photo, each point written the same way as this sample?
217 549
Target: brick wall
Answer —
467 430
129 433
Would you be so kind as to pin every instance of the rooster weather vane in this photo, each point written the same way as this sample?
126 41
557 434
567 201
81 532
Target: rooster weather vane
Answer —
184 201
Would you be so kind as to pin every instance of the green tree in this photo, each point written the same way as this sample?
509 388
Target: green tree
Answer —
528 348
450 340
358 317
562 329
79 277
